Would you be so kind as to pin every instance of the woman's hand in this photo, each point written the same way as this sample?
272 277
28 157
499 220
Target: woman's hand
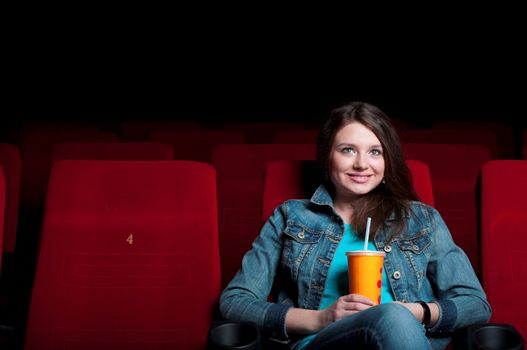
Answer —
310 321
346 305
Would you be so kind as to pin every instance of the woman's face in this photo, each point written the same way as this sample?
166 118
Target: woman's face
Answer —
356 162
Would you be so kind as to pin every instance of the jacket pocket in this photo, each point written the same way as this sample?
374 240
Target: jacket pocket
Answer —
417 255
416 244
301 234
299 241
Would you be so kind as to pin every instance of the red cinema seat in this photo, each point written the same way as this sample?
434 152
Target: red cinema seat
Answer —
240 186
288 179
453 136
10 162
112 151
128 257
502 131
454 169
504 240
296 136
297 179
421 179
36 151
261 132
137 131
196 144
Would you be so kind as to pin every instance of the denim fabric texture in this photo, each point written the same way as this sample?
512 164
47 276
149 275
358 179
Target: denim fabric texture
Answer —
387 326
296 245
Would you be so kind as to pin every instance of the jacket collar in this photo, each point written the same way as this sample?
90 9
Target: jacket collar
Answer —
322 196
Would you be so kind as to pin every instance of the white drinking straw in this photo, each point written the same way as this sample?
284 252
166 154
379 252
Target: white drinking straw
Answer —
368 223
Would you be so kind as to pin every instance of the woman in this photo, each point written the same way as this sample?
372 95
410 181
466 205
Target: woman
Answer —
429 288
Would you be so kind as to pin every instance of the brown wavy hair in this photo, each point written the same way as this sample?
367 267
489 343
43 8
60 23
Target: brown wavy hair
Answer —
393 196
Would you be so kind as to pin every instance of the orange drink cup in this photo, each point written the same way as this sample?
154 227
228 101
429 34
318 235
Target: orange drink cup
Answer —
365 273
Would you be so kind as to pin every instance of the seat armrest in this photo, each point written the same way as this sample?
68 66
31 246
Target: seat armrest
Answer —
488 336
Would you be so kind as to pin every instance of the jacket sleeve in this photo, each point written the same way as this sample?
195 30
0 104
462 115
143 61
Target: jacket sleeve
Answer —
459 294
246 296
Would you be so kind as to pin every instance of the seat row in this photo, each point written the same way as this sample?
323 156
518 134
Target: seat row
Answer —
130 252
38 143
453 167
499 137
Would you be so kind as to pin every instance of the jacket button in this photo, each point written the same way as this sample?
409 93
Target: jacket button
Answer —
396 275
388 248
301 235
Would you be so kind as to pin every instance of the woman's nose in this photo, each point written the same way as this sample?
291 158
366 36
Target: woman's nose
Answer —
360 162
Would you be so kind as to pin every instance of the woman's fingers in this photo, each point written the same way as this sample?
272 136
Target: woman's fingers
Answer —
350 304
356 298
346 305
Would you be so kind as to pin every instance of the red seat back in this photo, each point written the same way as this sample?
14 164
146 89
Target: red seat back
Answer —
261 132
421 181
502 131
454 169
240 186
128 257
36 152
137 130
297 179
112 151
504 240
196 144
288 179
455 136
296 136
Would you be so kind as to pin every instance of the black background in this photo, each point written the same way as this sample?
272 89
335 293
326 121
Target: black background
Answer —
224 64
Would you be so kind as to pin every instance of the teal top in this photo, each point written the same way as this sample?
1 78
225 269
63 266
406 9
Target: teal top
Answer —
337 280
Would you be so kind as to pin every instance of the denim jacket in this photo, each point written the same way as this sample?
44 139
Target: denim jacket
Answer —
294 252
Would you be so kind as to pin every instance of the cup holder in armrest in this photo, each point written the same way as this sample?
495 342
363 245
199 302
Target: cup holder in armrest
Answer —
491 336
234 336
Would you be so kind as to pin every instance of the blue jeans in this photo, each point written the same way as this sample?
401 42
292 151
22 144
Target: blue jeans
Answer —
386 326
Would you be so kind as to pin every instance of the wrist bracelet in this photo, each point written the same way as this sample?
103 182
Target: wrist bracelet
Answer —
427 315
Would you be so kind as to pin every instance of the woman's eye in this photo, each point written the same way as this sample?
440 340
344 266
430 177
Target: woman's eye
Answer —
376 152
347 150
